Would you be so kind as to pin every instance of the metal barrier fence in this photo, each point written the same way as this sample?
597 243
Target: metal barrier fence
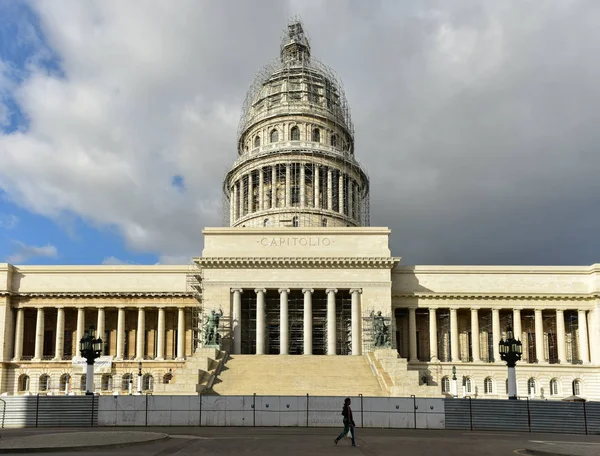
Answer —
293 411
49 411
523 415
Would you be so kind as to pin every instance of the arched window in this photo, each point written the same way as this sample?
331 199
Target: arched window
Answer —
82 382
445 385
488 386
295 221
577 387
295 134
266 222
323 222
24 383
257 141
531 386
334 140
553 387
316 135
125 381
148 382
107 382
64 380
274 136
44 383
468 385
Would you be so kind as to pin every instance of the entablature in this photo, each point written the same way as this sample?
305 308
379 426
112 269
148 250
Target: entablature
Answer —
298 262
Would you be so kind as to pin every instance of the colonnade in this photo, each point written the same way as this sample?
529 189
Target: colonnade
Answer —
140 345
356 337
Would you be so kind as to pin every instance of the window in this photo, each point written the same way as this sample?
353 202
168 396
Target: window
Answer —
576 387
468 385
316 135
257 141
531 386
445 385
334 140
125 382
64 381
274 136
148 382
295 134
266 222
44 383
24 383
553 387
295 221
82 382
488 386
107 382
323 222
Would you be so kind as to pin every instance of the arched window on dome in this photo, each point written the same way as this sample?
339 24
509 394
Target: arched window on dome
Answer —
148 382
576 387
488 386
553 387
64 381
334 140
323 221
257 141
295 221
468 385
445 385
23 383
107 382
266 222
126 381
82 382
295 134
531 387
316 135
44 383
274 136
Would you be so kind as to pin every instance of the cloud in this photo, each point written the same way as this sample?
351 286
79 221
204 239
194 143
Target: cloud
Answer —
24 252
174 259
476 119
111 260
8 221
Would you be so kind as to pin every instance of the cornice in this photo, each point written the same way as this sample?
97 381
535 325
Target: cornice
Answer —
104 269
454 269
297 262
320 231
104 294
499 296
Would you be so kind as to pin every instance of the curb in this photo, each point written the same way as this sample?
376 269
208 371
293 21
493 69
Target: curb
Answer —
534 452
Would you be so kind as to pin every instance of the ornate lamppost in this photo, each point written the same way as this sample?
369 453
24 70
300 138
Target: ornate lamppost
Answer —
511 351
90 348
139 386
454 382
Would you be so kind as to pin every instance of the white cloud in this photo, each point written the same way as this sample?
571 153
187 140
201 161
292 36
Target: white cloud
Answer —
8 221
24 252
112 260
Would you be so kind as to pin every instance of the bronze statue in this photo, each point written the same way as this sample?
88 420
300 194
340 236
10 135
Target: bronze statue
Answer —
211 333
381 335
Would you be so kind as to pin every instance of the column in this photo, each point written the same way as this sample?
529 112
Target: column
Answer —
261 190
560 332
260 321
80 329
356 326
100 328
19 334
160 336
329 189
412 334
595 333
120 333
454 347
341 192
241 207
331 332
308 320
181 333
60 334
496 334
475 334
39 335
288 186
539 336
317 184
232 204
350 198
302 185
517 331
584 351
273 187
237 321
433 342
250 193
140 334
284 332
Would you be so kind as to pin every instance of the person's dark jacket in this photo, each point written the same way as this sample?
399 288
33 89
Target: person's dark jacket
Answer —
347 414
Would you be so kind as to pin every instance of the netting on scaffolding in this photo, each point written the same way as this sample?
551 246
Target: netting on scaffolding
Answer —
571 333
443 339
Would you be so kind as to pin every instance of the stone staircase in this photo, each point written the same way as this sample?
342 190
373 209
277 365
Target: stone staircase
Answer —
294 375
394 377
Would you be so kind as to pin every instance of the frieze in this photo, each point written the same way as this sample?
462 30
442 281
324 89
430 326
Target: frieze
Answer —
298 285
104 294
296 241
299 262
492 296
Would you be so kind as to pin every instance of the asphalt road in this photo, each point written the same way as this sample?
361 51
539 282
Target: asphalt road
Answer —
316 442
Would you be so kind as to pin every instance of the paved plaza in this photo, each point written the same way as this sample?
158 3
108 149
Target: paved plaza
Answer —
314 442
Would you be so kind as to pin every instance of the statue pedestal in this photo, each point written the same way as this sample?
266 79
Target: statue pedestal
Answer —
210 351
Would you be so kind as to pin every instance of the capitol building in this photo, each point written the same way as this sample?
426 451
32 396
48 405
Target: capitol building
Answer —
298 294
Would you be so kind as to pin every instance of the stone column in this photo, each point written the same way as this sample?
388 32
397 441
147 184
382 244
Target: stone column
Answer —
288 186
237 321
160 336
308 320
284 332
496 334
331 331
20 327
584 352
250 193
356 322
60 334
181 333
273 187
232 204
140 334
241 207
518 332
595 333
412 334
261 190
260 321
454 346
341 192
100 328
120 333
539 336
329 189
475 334
433 342
80 329
302 185
317 184
350 198
39 335
560 333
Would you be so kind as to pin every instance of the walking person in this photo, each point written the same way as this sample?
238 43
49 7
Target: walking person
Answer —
348 422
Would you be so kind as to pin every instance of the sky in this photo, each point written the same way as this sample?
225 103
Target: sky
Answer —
476 120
